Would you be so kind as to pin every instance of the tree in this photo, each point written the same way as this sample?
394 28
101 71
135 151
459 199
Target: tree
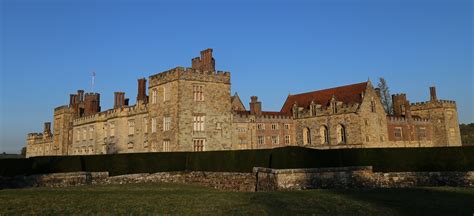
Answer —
385 96
23 151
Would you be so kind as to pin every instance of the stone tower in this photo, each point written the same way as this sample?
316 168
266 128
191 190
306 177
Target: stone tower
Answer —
444 118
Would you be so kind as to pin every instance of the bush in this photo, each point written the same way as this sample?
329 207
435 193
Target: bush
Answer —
14 166
382 160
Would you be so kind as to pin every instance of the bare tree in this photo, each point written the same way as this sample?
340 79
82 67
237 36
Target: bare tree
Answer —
385 96
23 151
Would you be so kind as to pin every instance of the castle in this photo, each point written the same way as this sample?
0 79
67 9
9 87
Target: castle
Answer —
192 109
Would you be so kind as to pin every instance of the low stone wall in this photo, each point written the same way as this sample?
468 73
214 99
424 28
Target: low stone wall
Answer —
262 179
219 180
354 177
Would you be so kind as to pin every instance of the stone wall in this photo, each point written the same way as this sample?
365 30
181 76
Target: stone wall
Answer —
231 181
262 179
355 177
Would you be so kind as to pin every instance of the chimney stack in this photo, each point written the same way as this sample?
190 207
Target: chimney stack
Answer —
204 63
141 96
433 96
255 106
119 99
91 104
80 95
47 128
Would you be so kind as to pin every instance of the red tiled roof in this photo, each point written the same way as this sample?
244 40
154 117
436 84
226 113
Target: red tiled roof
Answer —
348 94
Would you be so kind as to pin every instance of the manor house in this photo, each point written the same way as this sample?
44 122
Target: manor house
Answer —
192 109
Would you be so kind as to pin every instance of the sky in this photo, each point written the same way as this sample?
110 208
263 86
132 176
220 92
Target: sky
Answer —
49 50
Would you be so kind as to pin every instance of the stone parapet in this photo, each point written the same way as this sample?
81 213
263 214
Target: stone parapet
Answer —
182 73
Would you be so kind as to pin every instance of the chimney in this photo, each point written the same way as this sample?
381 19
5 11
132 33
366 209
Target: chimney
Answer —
433 96
72 100
141 96
91 104
119 99
80 96
126 101
255 106
47 128
204 63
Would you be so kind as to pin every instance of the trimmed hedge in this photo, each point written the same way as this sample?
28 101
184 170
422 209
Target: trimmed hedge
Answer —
382 160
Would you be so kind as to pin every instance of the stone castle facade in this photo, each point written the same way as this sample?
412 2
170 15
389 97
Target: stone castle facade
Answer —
192 109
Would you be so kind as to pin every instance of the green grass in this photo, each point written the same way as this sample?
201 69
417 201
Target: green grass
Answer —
178 199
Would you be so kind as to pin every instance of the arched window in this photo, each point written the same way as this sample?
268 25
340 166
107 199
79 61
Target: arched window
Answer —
306 136
372 105
323 133
341 134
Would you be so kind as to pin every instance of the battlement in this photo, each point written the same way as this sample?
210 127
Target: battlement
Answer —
404 119
433 104
111 113
183 73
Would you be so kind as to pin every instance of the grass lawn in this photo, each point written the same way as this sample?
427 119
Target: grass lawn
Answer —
161 198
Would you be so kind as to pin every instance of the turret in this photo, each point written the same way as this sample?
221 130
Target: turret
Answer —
401 106
47 129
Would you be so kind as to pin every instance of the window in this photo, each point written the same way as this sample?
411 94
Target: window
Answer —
78 135
275 139
398 132
287 139
274 126
260 126
198 93
372 104
306 136
242 141
91 132
422 132
105 130
166 123
131 127
287 126
198 123
166 145
145 125
165 94
198 144
84 133
323 133
153 125
154 96
112 129
341 134
261 140
241 129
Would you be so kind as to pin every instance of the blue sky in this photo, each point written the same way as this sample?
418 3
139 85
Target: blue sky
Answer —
49 49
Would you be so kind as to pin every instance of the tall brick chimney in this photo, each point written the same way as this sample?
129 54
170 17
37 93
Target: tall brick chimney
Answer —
206 62
141 96
119 99
255 106
47 128
80 96
91 104
433 96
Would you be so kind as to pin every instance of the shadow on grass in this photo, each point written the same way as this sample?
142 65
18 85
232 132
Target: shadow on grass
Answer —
417 201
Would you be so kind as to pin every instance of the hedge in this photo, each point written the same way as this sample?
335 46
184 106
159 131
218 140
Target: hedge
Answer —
382 160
